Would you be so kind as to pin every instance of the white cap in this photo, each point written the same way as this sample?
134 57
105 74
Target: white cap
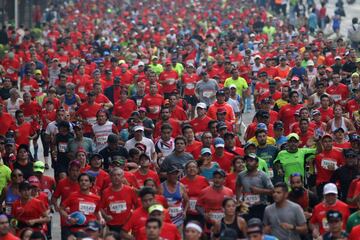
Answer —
138 128
232 86
310 63
252 35
330 188
201 105
141 64
257 56
337 57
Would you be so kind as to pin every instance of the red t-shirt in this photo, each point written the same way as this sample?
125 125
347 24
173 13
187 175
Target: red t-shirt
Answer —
179 114
355 233
23 132
31 109
352 106
88 113
190 82
102 179
136 221
338 93
250 131
211 200
225 161
118 204
9 236
200 125
153 105
168 81
175 125
124 110
6 122
32 209
193 147
326 114
229 111
88 204
193 189
169 231
230 181
286 115
131 179
319 214
324 161
150 174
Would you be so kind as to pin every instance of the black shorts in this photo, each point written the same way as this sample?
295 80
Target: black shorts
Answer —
191 99
115 228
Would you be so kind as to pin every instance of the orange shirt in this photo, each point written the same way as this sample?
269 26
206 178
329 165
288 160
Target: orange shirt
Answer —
118 204
230 116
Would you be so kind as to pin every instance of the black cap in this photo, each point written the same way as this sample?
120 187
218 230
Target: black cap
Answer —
262 74
278 125
249 144
95 155
272 82
251 156
220 172
266 100
220 92
25 185
9 141
221 125
332 215
172 169
112 138
349 153
229 134
339 129
91 94
63 124
228 234
262 113
77 125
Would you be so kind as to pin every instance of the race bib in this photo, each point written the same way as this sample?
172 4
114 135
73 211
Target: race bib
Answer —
252 198
27 88
138 102
62 147
208 94
154 109
336 97
8 209
325 224
192 203
87 207
81 89
101 139
171 81
271 173
174 211
91 120
190 86
117 207
10 71
328 164
216 216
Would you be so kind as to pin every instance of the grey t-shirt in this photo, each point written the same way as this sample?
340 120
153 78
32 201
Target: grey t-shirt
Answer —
292 213
260 180
175 160
206 91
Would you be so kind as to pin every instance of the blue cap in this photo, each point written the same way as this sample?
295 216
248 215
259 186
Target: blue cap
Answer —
219 142
262 126
79 216
205 150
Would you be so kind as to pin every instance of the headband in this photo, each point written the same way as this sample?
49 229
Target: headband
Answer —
194 226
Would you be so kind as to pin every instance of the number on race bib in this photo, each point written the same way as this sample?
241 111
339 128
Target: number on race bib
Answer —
192 203
118 207
252 198
87 207
216 216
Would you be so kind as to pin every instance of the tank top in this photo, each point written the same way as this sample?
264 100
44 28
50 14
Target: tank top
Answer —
174 201
343 125
10 198
12 107
234 225
70 101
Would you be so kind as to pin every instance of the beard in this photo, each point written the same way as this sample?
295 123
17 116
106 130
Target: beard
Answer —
298 191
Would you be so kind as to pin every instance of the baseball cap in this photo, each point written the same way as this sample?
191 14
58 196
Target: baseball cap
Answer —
154 57
141 64
257 57
220 92
201 105
265 100
338 129
81 218
34 181
232 86
262 113
349 153
330 188
93 226
333 215
278 125
358 60
117 159
249 144
156 207
295 78
38 71
315 112
112 138
39 166
138 128
337 57
261 126
251 156
293 135
219 142
9 141
326 135
355 74
142 109
172 169
95 155
74 163
221 125
205 150
220 172
310 63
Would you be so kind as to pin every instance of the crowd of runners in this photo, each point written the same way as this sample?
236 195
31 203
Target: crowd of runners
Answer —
139 108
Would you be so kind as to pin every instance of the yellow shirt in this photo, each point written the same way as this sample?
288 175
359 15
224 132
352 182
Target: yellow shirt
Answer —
240 84
269 141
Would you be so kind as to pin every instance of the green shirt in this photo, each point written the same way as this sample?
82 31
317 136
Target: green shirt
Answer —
263 166
240 84
157 68
179 68
353 221
293 162
5 176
